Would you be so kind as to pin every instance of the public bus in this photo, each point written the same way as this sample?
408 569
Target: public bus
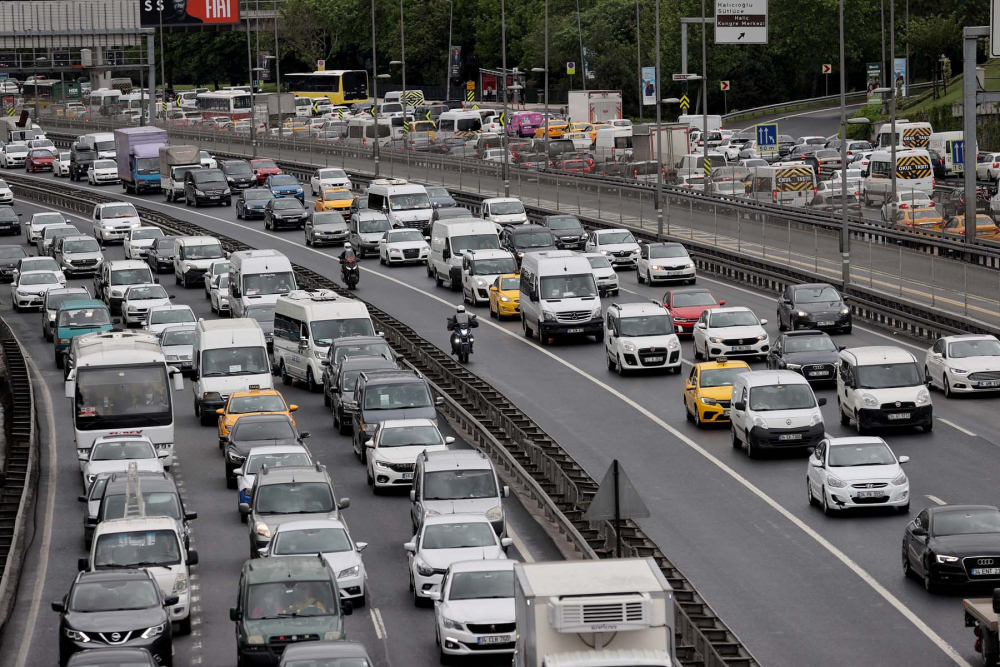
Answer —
338 86
232 103
120 383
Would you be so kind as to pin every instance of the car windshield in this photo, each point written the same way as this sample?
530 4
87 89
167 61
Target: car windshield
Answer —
237 168
332 173
42 219
52 231
105 164
373 225
646 325
404 235
373 349
458 536
533 240
459 244
286 204
782 397
131 276
122 450
283 179
397 396
120 211
688 299
41 152
146 292
721 377
235 361
311 541
53 301
482 585
39 264
223 281
409 436
85 245
328 662
506 208
239 405
987 347
812 343
438 193
491 267
171 316
39 278
609 238
661 251
337 195
263 315
147 165
289 599
967 522
883 376
817 295
264 164
275 460
599 262
256 195
409 202
572 286
325 331
735 318
862 454
144 233
101 596
563 222
157 503
259 284
204 251
510 284
459 484
295 498
271 429
84 318
182 337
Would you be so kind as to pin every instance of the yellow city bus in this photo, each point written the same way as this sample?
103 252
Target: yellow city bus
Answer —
338 86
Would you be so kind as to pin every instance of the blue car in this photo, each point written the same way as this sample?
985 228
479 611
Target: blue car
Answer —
285 185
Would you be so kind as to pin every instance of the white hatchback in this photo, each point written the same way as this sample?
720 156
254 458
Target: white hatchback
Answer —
402 246
846 473
159 318
103 171
140 298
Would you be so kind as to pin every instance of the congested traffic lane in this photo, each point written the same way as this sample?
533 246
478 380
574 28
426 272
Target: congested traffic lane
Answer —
751 550
392 629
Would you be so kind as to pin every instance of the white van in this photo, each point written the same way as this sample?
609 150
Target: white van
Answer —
908 135
941 143
614 143
503 211
458 120
306 322
258 277
480 268
559 296
228 356
882 386
913 173
775 410
449 241
786 185
697 121
362 130
405 204
693 164
396 96
104 143
193 255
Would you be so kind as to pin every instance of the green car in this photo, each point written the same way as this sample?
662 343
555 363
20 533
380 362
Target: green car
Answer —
283 601
75 318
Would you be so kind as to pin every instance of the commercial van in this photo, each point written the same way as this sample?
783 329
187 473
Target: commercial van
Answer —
693 164
524 123
559 296
941 142
405 204
104 143
362 130
793 185
305 324
909 135
913 173
614 143
193 255
258 277
697 121
449 241
881 386
775 409
228 356
459 121
397 96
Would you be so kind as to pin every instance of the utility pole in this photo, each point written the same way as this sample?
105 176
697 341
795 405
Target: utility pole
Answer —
402 61
546 82
253 107
447 67
704 93
892 102
845 234
277 70
884 70
375 91
583 58
659 134
505 165
638 57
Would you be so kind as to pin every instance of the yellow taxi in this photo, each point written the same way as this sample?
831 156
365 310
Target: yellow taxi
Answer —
922 217
708 390
428 126
253 402
505 296
335 199
556 129
598 126
985 227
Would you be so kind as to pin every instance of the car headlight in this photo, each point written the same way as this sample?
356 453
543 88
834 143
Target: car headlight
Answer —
212 396
227 191
495 513
319 354
901 480
762 337
690 265
90 479
154 631
845 311
548 316
957 371
715 340
709 401
869 400
423 569
52 317
384 465
262 530
923 397
431 513
801 313
23 293
68 261
817 418
480 282
760 422
199 192
656 268
132 309
333 636
172 357
520 254
450 624
835 482
596 313
673 344
349 572
255 640
76 635
947 559
504 299
180 583
605 252
793 367
234 457
628 347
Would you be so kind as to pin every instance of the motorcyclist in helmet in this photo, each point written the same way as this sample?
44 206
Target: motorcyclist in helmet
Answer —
347 258
462 319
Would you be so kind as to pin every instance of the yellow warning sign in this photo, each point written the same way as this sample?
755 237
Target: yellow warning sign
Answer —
475 107
707 165
10 111
917 137
913 167
340 114
470 85
470 95
685 102
794 179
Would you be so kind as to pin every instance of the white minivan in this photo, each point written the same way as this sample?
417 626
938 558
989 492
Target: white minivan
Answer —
913 173
774 410
559 296
228 356
258 277
405 204
881 386
449 241
306 322
193 255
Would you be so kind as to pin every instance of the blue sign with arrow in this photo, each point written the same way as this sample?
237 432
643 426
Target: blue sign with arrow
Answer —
767 138
958 156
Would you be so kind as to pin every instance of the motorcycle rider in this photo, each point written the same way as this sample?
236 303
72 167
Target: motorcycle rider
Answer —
347 258
461 320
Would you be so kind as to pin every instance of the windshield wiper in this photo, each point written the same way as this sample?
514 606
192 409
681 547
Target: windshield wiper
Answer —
152 563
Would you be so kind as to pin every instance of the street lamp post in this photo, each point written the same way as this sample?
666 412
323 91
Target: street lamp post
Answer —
40 62
505 165
659 140
638 56
447 66
402 57
704 94
892 101
545 74
375 76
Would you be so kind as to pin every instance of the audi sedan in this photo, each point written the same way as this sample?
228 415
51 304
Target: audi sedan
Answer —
953 544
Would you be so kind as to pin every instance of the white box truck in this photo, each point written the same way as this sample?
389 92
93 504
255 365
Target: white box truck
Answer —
596 613
594 106
675 142
175 162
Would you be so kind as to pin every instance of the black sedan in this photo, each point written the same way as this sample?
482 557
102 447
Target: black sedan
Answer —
160 256
813 306
811 353
120 607
252 203
10 221
953 544
284 212
9 257
255 431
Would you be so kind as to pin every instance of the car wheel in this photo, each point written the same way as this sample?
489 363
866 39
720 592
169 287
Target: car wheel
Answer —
697 352
929 426
781 322
371 480
285 377
697 419
929 584
907 569
639 277
845 420
326 402
857 422
525 327
649 278
735 439
753 451
184 627
620 367
809 493
342 427
826 506
59 360
946 385
438 280
311 381
495 316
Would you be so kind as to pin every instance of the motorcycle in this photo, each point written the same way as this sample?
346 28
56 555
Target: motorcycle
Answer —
351 273
461 343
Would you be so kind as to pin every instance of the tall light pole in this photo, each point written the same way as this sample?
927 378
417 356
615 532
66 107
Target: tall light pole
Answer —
447 67
374 91
163 57
892 102
505 165
884 70
277 55
250 67
659 140
907 94
704 95
583 58
638 56
402 58
545 72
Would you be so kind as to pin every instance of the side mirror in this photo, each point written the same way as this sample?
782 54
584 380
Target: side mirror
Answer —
409 547
223 439
689 385
996 601
360 546
343 503
506 542
816 463
763 322
701 325
904 459
234 614
172 296
821 401
244 509
449 440
82 564
192 557
220 411
304 435
346 607
919 531
506 492
156 280
439 400
740 405
83 456
293 407
369 443
190 516
434 595
59 606
82 499
936 355
413 496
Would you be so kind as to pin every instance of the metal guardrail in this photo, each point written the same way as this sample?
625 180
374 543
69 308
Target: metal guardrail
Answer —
554 479
20 469
833 100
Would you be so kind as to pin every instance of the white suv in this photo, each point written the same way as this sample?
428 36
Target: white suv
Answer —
775 410
640 336
882 386
114 220
393 450
618 245
665 261
730 332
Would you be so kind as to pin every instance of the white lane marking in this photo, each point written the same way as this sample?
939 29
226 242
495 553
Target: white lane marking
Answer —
925 629
376 617
45 547
519 545
937 500
956 427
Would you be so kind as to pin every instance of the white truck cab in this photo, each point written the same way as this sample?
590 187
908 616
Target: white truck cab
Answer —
503 211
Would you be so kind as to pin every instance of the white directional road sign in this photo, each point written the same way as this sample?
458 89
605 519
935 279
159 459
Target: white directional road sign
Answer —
767 138
741 21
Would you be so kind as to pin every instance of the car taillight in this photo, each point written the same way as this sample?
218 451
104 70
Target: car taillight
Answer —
814 190
774 195
904 206
995 165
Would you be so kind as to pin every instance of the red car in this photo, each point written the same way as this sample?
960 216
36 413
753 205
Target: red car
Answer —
687 305
573 167
39 159
263 168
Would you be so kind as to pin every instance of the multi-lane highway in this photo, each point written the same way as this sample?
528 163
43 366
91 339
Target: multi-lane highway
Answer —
797 587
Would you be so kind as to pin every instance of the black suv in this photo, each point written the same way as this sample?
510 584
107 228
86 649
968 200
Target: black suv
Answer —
121 608
339 383
206 186
160 256
284 212
10 221
81 156
238 173
519 239
384 395
255 431
567 231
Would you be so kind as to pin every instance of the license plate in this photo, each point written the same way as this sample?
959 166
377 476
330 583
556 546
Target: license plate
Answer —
988 383
497 639
816 374
870 494
569 331
898 415
407 475
985 571
826 324
213 196
672 273
742 348
654 360
790 436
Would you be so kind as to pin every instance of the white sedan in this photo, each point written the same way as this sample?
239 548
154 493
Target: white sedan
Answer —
6 194
30 288
219 294
474 614
963 364
207 161
139 299
61 166
618 245
393 450
324 179
40 221
730 332
13 155
103 171
114 453
400 246
139 240
159 318
331 539
846 473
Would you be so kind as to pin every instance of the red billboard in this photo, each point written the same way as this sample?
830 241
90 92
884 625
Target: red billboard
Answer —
154 13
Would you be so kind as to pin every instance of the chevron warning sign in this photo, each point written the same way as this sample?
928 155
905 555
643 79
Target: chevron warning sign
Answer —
685 102
470 95
707 165
340 114
917 137
794 179
913 167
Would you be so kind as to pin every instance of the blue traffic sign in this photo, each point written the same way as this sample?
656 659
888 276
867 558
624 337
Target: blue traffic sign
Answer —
958 155
4 75
767 138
